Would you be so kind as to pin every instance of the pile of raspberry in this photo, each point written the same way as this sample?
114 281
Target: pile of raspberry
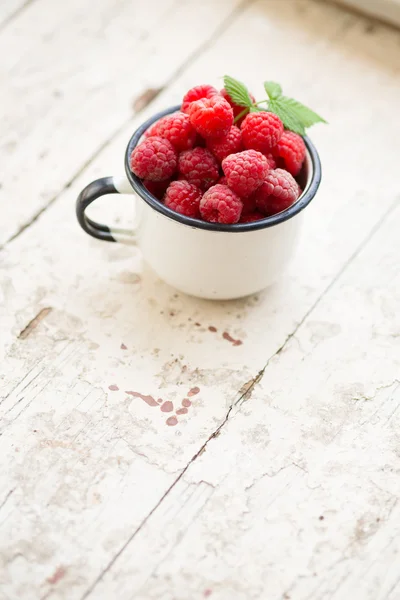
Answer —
210 162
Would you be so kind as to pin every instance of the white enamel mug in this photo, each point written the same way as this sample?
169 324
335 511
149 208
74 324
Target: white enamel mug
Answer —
202 259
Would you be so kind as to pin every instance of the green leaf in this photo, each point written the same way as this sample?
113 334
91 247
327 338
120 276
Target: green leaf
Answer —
237 91
287 116
273 89
307 116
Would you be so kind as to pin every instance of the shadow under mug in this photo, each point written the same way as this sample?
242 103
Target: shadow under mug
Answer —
208 260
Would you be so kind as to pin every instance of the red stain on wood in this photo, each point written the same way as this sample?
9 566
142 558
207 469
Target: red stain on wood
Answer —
58 574
159 401
186 402
193 391
207 593
167 407
171 421
212 328
113 387
181 411
123 347
229 338
148 399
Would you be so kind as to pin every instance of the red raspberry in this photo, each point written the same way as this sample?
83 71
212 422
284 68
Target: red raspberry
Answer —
245 171
250 218
249 205
278 192
199 167
154 159
292 150
261 131
271 161
223 180
220 205
184 198
237 109
156 188
211 117
177 129
230 144
196 93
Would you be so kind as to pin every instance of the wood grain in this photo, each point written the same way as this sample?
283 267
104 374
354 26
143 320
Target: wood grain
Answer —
101 496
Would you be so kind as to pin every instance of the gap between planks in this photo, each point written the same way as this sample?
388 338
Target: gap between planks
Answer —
245 393
14 14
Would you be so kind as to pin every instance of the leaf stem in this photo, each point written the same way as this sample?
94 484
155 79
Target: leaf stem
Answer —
241 114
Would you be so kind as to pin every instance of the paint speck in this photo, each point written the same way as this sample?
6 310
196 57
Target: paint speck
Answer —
172 313
57 575
212 329
186 403
181 411
207 593
229 338
113 387
148 399
167 407
171 421
193 391
123 347
321 518
198 324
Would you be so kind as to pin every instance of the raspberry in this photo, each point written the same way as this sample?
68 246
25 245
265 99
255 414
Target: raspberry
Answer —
251 217
245 171
156 188
223 180
196 93
220 205
261 131
199 167
177 129
249 205
211 117
184 198
278 192
292 150
154 159
271 161
237 109
230 144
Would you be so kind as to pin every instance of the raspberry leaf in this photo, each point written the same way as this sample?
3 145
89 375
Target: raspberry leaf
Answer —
307 116
288 117
237 91
273 89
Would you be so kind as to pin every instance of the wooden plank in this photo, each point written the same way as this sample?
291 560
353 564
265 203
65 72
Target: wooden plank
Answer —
299 495
87 463
70 78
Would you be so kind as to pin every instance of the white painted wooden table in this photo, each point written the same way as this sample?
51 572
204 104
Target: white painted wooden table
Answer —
143 455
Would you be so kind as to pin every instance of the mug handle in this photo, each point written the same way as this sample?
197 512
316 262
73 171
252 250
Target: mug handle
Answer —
101 187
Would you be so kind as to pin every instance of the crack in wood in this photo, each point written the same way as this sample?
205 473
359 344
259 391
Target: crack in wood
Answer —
6 498
42 314
145 98
11 17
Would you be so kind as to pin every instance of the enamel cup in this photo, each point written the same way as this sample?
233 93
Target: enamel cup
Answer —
208 260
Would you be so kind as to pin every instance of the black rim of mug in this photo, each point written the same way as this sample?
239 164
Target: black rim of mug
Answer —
290 212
